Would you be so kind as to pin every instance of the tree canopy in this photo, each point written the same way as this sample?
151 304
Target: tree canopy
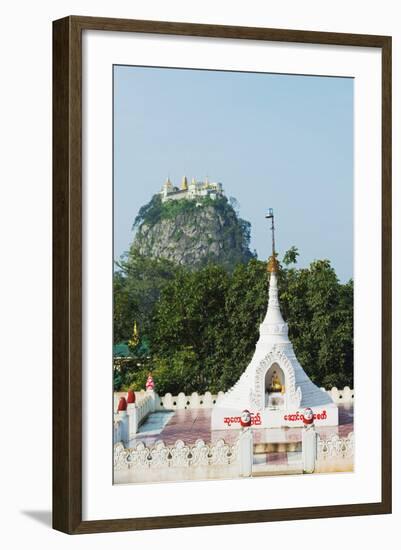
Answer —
202 326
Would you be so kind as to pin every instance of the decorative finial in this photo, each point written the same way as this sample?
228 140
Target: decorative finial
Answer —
150 385
184 184
307 417
245 419
122 405
134 340
131 397
272 264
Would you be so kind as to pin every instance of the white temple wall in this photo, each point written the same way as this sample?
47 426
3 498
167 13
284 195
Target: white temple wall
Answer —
345 396
224 418
169 402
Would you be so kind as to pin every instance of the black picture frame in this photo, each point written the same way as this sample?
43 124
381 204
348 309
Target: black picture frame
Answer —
67 273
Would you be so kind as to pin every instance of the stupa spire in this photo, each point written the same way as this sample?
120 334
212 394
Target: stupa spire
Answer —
273 324
274 385
273 314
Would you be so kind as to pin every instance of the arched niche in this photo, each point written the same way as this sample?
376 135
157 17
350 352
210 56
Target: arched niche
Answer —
275 387
292 395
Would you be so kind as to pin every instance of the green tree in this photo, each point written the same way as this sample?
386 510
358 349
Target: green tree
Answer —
245 307
137 286
190 316
125 309
149 213
176 374
290 257
199 329
319 312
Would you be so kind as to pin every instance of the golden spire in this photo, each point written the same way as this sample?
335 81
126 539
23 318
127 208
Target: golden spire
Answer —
272 264
184 184
134 341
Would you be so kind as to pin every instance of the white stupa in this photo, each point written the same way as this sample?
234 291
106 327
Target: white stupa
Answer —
274 387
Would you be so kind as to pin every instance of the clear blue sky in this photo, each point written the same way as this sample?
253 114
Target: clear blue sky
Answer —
280 141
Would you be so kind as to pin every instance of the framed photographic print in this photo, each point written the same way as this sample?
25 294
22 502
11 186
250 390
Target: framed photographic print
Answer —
222 274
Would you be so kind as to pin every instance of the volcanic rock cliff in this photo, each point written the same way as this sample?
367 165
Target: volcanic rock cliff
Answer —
192 233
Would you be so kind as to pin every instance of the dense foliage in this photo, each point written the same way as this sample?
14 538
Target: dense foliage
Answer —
202 326
156 210
138 282
319 312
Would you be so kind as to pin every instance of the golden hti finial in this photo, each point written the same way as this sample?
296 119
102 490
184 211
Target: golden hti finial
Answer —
134 340
272 263
184 184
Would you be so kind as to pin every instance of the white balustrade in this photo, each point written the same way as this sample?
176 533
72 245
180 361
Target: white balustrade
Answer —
335 447
332 454
117 432
170 402
344 396
179 455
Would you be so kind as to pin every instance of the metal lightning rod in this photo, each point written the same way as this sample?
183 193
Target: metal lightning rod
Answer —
270 216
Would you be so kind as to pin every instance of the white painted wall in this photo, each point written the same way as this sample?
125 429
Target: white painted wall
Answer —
25 292
207 401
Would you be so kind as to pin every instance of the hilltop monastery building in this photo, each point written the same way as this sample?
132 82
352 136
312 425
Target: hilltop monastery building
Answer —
192 190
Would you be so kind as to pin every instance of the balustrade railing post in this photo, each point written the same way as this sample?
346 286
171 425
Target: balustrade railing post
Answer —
309 443
132 412
246 445
123 418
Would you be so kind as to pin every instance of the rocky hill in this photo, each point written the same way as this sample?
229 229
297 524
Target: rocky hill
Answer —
192 233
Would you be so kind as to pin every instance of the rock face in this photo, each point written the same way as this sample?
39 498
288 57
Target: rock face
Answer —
195 234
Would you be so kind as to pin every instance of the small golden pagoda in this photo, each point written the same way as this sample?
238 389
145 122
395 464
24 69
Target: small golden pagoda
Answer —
134 340
184 184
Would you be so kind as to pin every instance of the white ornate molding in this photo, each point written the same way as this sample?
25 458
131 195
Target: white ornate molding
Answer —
277 328
335 447
179 455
